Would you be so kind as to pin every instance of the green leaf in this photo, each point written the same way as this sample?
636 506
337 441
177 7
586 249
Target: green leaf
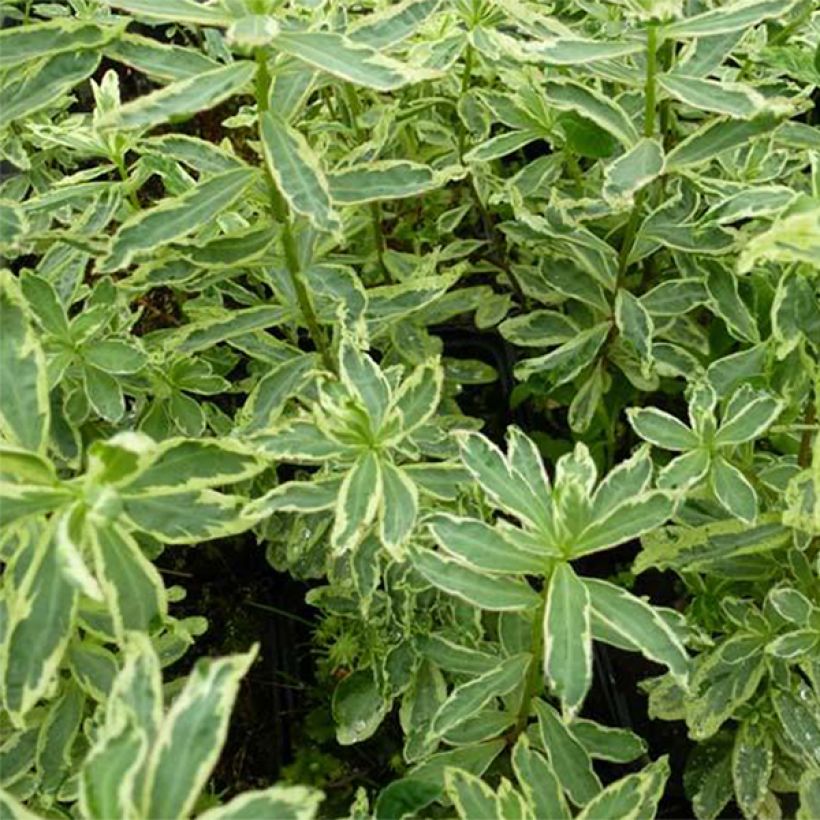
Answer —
752 758
634 323
809 793
39 616
753 414
633 170
358 707
279 801
800 720
191 737
348 60
114 356
24 403
634 796
399 507
567 639
37 40
381 180
715 137
297 172
732 99
14 224
93 667
576 52
418 395
567 361
392 24
45 85
18 501
501 145
569 761
607 742
359 500
640 624
182 98
132 586
735 16
481 547
364 379
453 657
538 781
725 301
174 11
164 62
661 429
470 795
175 218
57 735
569 95
468 698
674 297
733 490
488 592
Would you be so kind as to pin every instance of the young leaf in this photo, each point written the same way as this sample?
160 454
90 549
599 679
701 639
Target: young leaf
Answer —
399 507
633 170
297 172
633 796
661 429
381 180
359 500
733 490
567 638
538 781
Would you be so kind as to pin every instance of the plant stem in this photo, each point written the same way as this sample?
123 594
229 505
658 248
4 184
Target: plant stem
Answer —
279 210
804 454
535 674
466 76
119 161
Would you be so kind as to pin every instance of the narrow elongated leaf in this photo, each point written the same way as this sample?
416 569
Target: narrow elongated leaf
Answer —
465 700
800 721
36 40
399 507
733 490
501 145
632 797
661 429
191 737
725 301
633 170
640 624
567 361
471 796
279 801
734 100
175 11
750 419
176 217
358 707
572 96
752 758
165 62
183 98
349 60
24 403
715 137
46 85
490 593
567 638
37 630
297 172
729 17
570 52
570 762
381 180
483 548
392 24
607 742
538 782
132 586
57 736
359 500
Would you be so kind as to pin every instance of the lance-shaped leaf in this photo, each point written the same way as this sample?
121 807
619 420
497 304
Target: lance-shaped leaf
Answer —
452 657
809 795
301 442
364 379
571 52
175 11
800 720
33 90
186 517
468 698
392 24
40 615
359 500
631 171
348 60
662 429
400 502
471 796
183 98
732 99
483 548
17 501
500 145
569 760
166 63
295 496
37 40
297 172
24 403
639 623
752 759
381 180
358 707
538 782
751 414
132 586
285 802
634 796
175 218
13 809
567 361
625 522
634 323
715 137
418 395
57 735
725 301
603 111
488 592
733 490
567 638
191 736
93 667
607 742
737 16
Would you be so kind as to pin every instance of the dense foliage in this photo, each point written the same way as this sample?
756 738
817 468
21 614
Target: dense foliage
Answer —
288 269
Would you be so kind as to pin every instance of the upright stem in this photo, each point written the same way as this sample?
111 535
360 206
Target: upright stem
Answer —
535 675
279 210
804 454
466 76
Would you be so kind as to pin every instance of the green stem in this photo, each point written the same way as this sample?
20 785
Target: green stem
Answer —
466 77
119 161
279 210
535 676
804 455
650 86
